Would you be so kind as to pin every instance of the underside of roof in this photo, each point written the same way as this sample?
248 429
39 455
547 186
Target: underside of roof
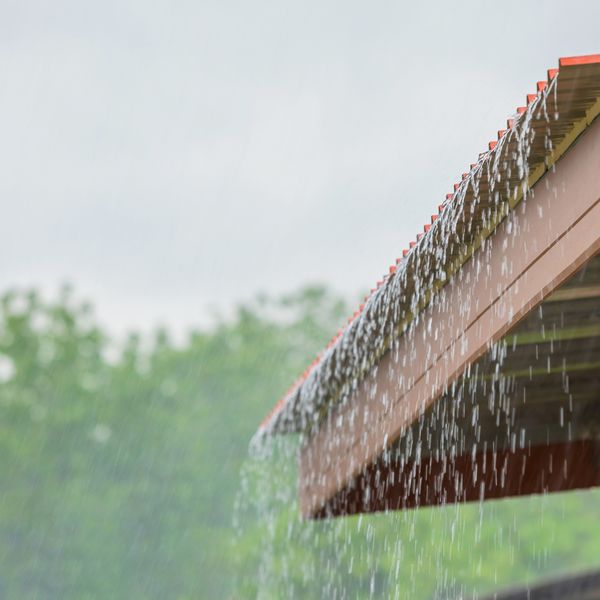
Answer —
523 418
536 137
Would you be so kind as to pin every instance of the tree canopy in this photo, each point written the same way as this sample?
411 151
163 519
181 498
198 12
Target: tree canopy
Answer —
126 475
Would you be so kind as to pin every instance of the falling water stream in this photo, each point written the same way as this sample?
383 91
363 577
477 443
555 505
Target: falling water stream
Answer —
452 550
455 551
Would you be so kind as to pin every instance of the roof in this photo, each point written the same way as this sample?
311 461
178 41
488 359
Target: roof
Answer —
582 586
536 136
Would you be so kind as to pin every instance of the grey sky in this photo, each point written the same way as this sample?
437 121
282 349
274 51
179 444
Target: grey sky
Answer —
170 156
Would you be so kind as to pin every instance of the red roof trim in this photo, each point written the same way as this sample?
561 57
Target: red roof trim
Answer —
570 61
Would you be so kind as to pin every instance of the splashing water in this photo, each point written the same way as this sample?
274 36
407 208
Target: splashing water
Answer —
450 550
456 551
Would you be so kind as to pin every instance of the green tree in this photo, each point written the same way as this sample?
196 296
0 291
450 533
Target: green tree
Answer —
119 476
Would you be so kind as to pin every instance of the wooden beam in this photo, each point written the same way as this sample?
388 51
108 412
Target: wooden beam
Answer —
485 476
535 250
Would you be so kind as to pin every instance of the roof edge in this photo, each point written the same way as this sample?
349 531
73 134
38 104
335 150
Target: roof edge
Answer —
522 115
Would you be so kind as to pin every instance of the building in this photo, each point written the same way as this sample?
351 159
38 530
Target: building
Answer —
472 370
583 586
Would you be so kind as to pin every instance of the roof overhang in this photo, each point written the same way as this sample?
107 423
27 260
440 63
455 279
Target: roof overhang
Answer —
387 412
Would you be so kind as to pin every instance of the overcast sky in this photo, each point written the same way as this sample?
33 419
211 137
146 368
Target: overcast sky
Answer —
169 157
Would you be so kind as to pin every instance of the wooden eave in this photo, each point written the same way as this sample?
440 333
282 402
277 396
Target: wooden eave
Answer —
468 285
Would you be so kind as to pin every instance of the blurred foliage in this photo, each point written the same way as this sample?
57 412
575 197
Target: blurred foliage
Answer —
120 471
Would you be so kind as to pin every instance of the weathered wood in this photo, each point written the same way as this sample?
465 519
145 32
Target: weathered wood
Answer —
467 478
559 230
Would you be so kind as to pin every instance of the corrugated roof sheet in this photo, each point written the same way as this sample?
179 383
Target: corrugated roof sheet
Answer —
536 136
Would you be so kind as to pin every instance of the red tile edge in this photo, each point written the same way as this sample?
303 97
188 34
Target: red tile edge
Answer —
571 61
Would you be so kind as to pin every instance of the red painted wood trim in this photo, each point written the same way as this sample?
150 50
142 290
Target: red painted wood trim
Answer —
535 470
